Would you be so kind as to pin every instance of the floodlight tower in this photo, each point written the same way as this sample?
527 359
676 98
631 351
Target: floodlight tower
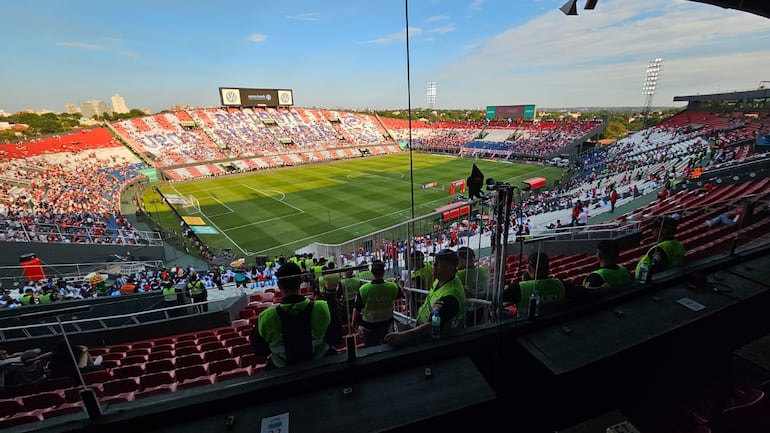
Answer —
650 84
430 92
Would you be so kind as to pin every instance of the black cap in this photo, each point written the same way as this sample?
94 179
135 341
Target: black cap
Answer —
665 222
466 252
538 260
416 255
447 256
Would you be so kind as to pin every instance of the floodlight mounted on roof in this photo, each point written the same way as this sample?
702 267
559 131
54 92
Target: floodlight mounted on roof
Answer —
570 8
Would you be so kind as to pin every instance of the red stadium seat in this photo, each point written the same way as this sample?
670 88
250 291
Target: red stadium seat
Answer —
97 377
207 339
236 341
190 372
65 409
189 360
189 350
158 390
204 334
241 350
159 366
120 386
131 360
120 348
110 364
134 370
185 337
185 343
216 355
20 419
156 379
163 341
157 356
212 345
223 365
42 400
138 352
140 345
10 406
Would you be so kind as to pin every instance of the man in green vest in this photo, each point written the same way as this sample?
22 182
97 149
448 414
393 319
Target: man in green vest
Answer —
349 285
476 282
610 274
276 333
170 298
421 278
666 253
550 292
374 306
198 292
447 295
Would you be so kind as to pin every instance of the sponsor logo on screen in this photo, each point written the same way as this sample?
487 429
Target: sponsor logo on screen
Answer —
231 96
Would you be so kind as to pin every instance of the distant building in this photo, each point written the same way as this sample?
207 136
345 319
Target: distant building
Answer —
71 108
4 113
118 104
94 108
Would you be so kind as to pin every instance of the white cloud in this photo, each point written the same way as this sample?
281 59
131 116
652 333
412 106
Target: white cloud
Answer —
397 37
131 54
443 29
601 55
435 18
476 5
307 16
80 45
257 37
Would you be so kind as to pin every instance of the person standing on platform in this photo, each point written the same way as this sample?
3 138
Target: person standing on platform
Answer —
198 293
294 331
447 296
374 306
476 282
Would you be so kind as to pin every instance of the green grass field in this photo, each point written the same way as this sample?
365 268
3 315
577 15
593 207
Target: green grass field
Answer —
281 210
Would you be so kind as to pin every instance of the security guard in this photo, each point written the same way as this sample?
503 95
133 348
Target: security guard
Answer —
198 292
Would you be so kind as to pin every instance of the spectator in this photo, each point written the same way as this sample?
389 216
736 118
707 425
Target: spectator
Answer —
62 365
27 369
728 218
447 295
610 274
294 331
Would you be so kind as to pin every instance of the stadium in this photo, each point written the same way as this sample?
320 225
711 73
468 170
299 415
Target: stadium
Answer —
98 223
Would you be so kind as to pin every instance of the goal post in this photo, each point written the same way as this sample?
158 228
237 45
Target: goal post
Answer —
191 205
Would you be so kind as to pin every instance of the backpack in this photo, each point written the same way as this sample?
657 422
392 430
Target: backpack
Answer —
296 333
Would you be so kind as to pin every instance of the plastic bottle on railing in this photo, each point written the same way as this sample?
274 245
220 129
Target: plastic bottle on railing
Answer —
435 321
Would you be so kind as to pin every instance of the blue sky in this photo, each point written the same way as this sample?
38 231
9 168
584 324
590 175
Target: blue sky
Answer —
352 54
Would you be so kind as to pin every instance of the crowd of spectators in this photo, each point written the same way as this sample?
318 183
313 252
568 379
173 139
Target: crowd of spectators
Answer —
67 197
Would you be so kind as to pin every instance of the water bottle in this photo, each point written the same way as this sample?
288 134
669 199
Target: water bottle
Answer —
534 305
644 272
435 321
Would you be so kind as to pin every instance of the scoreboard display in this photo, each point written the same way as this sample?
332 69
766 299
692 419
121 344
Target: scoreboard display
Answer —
240 97
513 112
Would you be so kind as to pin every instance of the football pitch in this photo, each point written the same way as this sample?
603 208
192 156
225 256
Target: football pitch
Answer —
281 210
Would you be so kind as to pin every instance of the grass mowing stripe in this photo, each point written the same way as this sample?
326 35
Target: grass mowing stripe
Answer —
280 210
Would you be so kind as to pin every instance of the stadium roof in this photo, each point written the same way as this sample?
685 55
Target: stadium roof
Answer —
731 96
758 7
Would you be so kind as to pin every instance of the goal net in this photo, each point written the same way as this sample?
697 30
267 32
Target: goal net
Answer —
190 205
